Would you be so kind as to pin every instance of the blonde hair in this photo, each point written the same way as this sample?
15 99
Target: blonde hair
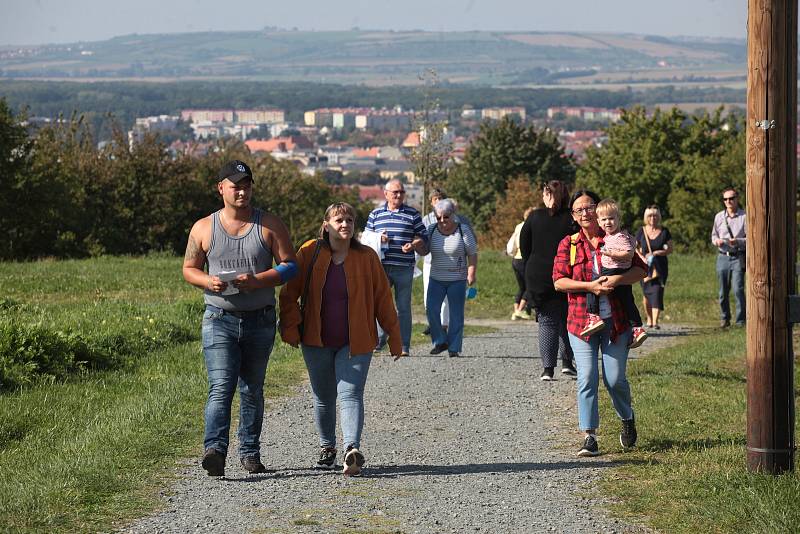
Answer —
652 210
607 206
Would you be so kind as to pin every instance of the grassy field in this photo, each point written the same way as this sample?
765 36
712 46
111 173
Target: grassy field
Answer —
89 448
688 473
88 444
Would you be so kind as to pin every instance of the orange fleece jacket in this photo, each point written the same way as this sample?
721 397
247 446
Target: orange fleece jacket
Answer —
369 298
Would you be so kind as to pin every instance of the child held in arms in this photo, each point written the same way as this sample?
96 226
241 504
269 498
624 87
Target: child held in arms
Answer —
614 258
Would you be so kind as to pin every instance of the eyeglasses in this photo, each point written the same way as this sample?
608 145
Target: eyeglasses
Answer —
586 209
396 192
442 217
728 199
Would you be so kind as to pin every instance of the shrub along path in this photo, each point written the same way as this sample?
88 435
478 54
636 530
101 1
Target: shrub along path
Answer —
476 443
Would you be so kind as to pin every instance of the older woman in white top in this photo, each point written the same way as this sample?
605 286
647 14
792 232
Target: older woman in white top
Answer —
454 263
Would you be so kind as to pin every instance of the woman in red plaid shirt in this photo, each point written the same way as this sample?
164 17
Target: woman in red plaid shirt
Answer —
576 271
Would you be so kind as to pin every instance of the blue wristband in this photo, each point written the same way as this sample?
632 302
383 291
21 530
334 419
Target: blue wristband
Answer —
286 270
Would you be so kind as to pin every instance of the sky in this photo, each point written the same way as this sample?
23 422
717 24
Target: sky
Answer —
27 22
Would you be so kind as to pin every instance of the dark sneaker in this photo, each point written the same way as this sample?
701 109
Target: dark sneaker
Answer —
627 438
213 462
327 458
547 374
590 447
353 462
593 325
568 368
438 349
637 337
253 465
452 354
427 331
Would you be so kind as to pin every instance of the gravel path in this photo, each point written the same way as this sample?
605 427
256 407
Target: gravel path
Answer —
470 444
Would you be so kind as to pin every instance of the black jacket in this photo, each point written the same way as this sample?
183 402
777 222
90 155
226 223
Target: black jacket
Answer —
538 243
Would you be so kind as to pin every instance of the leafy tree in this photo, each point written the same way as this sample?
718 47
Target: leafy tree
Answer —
508 212
15 150
501 151
677 162
430 158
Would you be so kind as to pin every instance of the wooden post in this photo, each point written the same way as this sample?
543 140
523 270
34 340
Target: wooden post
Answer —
771 230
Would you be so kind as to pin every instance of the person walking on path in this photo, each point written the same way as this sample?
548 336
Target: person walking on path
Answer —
616 257
403 233
576 271
522 309
428 220
538 242
729 235
239 244
654 242
343 290
454 264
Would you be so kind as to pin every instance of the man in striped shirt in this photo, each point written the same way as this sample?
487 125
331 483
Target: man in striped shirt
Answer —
403 233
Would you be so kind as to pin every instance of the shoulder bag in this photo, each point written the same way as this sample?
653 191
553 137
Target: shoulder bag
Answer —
653 270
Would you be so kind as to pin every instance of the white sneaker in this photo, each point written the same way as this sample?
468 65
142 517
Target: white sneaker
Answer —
353 462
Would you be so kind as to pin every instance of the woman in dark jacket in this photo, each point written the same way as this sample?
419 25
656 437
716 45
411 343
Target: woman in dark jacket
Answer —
538 242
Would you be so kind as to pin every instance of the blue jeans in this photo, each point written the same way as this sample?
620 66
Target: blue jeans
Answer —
614 362
730 273
402 278
236 351
335 373
455 293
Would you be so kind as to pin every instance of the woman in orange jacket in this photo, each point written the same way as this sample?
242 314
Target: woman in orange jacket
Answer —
347 290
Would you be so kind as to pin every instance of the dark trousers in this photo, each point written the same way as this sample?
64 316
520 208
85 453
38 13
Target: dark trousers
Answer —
519 273
623 293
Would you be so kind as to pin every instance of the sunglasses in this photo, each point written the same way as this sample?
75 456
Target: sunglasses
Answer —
442 217
727 199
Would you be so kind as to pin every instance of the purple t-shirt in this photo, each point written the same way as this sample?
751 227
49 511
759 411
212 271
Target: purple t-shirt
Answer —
335 324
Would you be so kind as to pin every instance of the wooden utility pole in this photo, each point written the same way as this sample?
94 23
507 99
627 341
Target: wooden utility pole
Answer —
771 231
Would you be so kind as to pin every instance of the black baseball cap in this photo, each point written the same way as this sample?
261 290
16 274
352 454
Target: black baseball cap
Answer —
235 171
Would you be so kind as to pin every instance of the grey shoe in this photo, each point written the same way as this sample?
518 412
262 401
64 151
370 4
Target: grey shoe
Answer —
627 438
214 462
253 465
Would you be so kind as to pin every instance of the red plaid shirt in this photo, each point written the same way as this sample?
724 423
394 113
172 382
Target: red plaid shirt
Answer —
582 272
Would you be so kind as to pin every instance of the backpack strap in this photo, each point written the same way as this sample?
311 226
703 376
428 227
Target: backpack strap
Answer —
573 247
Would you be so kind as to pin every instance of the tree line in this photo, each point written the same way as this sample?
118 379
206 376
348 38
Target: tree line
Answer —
63 196
673 160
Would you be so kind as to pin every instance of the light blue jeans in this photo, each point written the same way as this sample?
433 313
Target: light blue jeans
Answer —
614 361
730 273
236 351
402 278
455 293
335 373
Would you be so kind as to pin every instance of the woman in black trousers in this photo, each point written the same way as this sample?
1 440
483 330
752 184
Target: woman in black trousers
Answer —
538 242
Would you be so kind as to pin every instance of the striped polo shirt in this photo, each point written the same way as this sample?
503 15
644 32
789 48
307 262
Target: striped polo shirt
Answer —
449 252
401 226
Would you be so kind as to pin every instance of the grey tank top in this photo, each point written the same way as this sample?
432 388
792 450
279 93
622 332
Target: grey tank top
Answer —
247 253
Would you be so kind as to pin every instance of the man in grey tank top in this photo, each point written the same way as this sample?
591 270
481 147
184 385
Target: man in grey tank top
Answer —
239 244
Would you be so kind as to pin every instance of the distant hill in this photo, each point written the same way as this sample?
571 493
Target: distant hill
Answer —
387 58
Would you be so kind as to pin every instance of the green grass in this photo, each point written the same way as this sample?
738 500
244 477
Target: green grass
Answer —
89 449
688 473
